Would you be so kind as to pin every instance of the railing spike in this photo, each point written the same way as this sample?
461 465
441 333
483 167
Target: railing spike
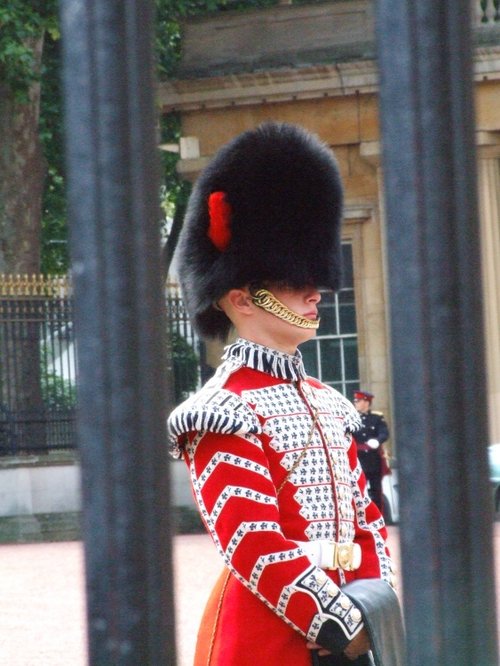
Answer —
484 8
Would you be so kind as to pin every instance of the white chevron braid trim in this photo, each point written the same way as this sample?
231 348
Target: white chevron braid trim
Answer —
273 558
238 492
221 458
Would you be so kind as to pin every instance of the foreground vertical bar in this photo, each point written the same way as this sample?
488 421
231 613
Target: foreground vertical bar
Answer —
113 196
437 336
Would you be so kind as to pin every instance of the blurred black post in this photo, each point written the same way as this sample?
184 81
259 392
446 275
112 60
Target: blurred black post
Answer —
437 331
113 198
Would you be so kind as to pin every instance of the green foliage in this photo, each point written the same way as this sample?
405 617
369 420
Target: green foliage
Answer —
55 259
21 22
57 392
174 191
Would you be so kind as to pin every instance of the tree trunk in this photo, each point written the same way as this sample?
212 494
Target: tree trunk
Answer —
22 172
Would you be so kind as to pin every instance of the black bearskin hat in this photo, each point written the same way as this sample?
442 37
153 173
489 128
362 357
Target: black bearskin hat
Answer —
267 209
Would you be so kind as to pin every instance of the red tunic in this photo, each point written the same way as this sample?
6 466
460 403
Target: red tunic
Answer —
261 497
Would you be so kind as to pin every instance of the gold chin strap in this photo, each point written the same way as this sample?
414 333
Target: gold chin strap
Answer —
265 300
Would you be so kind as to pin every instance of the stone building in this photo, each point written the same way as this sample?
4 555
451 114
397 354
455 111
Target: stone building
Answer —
315 65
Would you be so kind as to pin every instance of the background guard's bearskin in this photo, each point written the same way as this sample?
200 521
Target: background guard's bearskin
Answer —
275 200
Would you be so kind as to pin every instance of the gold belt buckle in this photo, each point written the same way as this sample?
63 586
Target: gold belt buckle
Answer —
346 556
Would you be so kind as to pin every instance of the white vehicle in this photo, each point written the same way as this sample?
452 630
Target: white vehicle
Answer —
494 460
390 492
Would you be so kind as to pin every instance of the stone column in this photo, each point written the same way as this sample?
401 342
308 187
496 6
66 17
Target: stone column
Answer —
375 277
489 200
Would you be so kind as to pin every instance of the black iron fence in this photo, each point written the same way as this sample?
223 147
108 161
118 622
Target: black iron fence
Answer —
37 365
487 11
38 362
186 351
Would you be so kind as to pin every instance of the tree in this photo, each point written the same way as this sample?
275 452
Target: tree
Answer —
33 228
54 232
23 26
32 203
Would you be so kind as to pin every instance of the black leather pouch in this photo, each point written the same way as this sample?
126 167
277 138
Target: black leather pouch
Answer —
382 616
383 620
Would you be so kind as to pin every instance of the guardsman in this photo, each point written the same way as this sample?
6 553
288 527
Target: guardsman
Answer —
369 439
272 462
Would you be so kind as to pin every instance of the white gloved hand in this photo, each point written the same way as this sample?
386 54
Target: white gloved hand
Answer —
373 443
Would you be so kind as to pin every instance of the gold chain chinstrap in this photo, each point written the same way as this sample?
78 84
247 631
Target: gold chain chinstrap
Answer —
265 300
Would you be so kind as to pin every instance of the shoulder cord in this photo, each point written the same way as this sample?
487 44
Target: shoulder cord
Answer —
302 454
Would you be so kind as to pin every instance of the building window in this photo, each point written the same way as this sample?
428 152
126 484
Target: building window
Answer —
332 356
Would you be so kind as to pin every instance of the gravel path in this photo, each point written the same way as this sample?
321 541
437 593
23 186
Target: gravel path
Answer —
42 614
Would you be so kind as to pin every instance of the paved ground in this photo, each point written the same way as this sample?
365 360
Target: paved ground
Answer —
42 618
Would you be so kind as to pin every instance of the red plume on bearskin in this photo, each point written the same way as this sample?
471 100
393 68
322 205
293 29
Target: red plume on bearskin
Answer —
219 229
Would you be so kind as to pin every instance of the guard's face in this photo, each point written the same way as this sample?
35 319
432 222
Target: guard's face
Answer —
302 301
361 405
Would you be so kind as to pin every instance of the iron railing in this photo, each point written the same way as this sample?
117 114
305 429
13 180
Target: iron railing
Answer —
38 361
486 11
436 328
37 365
186 351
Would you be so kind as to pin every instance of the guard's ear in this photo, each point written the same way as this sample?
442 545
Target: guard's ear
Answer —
239 300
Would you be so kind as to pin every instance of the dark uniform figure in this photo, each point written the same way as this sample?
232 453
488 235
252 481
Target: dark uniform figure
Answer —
369 439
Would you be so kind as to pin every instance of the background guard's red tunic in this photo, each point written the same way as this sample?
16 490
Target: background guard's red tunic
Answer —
240 436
